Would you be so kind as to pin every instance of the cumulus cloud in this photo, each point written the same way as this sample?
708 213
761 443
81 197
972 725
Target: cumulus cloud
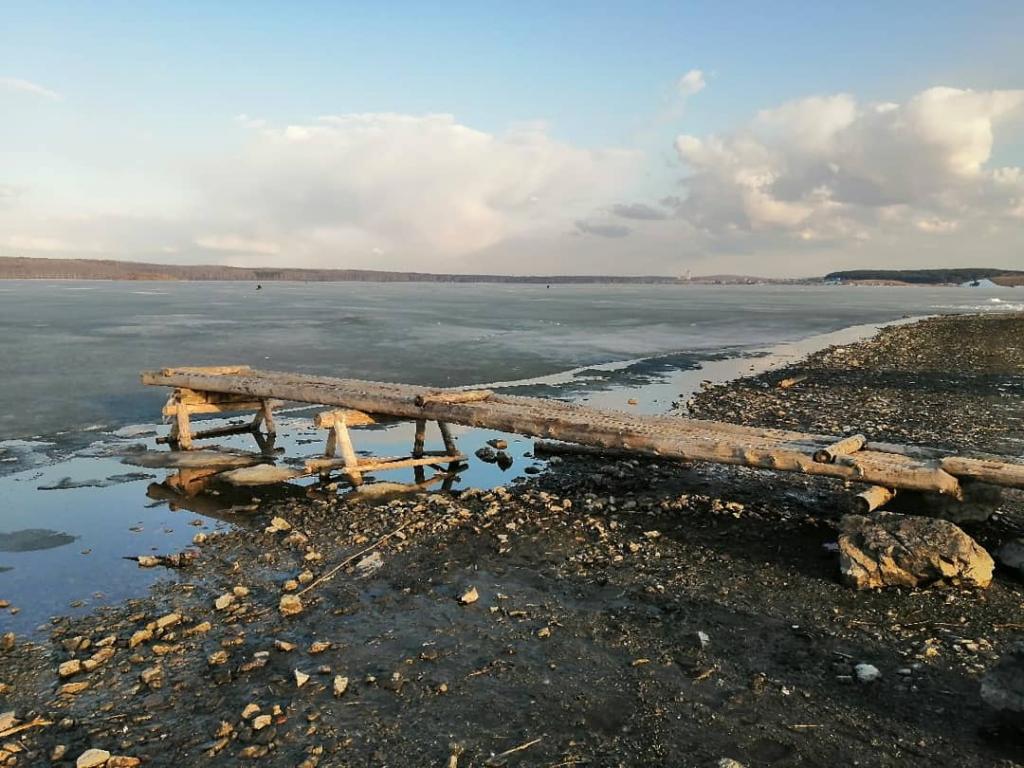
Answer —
404 184
638 211
17 85
832 168
691 83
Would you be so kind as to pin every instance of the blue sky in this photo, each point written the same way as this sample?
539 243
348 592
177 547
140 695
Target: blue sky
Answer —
138 105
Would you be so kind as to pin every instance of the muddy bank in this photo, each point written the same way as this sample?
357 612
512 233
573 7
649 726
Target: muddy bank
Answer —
626 612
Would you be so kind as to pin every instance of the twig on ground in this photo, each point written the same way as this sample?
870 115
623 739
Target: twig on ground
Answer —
494 760
331 573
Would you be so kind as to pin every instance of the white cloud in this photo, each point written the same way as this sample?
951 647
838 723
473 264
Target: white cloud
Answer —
831 168
18 85
691 83
403 184
237 244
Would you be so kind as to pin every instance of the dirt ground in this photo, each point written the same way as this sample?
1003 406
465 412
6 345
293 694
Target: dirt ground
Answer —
626 612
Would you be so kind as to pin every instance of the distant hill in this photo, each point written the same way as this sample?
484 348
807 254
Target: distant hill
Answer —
1005 277
19 268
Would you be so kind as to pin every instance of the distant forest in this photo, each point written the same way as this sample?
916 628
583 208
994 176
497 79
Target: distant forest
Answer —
19 268
933 276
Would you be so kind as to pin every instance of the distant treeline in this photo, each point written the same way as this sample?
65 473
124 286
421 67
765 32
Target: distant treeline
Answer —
18 268
933 276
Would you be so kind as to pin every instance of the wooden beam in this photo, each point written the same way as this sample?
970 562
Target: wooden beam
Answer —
996 472
872 498
844 447
452 397
374 464
347 416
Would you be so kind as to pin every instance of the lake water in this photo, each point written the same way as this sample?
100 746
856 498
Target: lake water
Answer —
71 404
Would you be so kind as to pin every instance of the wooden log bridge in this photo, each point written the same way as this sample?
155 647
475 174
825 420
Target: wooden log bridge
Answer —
854 458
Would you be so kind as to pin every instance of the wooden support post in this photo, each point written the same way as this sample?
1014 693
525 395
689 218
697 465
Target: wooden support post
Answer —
844 447
182 429
417 449
267 410
872 498
348 453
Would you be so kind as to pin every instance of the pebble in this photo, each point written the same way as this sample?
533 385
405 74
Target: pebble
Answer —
867 673
261 722
92 758
340 685
224 601
301 678
469 596
290 605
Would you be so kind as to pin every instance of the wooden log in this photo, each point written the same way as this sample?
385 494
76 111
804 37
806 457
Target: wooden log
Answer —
844 447
267 412
446 436
420 437
381 464
348 453
657 436
207 370
231 429
1003 473
872 498
199 459
453 396
182 432
346 416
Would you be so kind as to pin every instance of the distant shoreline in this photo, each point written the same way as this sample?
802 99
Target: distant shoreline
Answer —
23 268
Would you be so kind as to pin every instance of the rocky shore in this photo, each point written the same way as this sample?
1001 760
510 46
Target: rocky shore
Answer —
607 612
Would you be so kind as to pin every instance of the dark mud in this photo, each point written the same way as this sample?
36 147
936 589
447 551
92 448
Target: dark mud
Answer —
628 613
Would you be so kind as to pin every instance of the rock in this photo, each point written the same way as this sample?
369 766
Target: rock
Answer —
152 676
1011 555
224 601
284 645
240 591
893 550
7 642
217 658
498 444
370 564
728 762
469 596
340 685
290 605
92 758
147 561
1002 687
123 761
137 638
487 454
544 632
278 524
867 673
170 620
301 678
69 668
703 639
250 711
58 752
71 689
319 646
7 720
260 722
503 460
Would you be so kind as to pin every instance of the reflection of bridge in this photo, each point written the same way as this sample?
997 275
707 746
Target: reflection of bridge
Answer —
883 467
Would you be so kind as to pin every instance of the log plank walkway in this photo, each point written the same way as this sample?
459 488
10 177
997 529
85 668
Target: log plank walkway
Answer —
850 458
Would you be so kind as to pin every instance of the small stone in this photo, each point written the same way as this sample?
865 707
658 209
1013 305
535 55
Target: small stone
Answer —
284 645
123 761
498 444
290 605
137 638
728 762
319 646
240 591
704 639
72 689
147 561
69 668
305 577
199 538
469 596
7 642
261 722
278 524
340 685
217 657
301 678
250 710
652 534
170 620
290 586
224 601
58 752
544 632
152 676
867 673
92 758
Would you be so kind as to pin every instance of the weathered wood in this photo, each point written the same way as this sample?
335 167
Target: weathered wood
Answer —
210 370
199 459
541 447
263 474
383 463
349 417
988 470
231 429
666 437
844 447
446 436
182 432
452 397
348 452
872 498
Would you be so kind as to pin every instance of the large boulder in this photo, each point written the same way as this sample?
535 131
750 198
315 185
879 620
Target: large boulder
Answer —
1002 688
892 550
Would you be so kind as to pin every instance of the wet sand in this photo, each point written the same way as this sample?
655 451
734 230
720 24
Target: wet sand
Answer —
627 612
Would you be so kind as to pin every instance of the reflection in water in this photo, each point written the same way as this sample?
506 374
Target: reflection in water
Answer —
33 540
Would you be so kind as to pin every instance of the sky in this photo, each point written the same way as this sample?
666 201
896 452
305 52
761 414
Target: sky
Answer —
782 139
